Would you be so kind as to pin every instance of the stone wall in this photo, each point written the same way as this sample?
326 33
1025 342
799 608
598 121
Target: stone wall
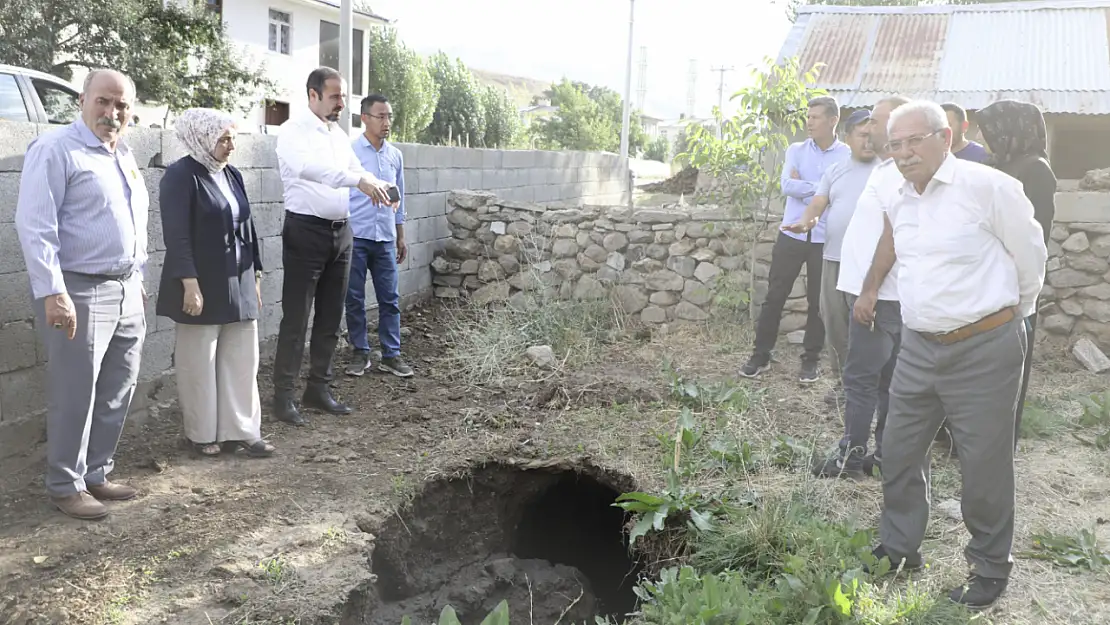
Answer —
431 171
1075 301
661 265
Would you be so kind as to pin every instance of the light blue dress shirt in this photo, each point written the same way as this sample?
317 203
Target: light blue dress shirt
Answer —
811 162
82 208
368 221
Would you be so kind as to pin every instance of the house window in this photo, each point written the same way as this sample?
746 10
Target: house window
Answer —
215 6
277 113
329 53
281 31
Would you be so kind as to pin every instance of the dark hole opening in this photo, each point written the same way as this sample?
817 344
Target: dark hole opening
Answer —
574 523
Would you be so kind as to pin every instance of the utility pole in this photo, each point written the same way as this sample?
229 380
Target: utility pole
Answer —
721 86
346 21
641 87
627 82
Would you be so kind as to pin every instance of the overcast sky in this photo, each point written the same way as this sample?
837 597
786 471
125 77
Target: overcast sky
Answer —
587 40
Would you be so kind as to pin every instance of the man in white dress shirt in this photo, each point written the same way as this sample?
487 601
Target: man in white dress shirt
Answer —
971 261
318 169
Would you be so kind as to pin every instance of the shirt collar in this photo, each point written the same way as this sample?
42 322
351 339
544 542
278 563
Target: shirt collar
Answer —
93 141
945 174
813 145
308 118
364 142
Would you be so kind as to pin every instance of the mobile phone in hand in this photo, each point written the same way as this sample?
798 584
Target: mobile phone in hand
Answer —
393 193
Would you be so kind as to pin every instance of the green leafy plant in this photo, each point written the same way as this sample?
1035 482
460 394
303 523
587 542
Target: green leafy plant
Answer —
1096 410
683 596
499 616
786 451
1082 551
701 395
677 506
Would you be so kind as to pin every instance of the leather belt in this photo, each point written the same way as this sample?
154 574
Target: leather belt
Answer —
986 324
331 224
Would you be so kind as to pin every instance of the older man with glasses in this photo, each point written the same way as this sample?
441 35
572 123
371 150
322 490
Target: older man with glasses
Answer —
971 261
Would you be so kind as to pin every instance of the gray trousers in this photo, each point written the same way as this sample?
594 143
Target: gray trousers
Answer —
868 369
91 379
975 383
835 313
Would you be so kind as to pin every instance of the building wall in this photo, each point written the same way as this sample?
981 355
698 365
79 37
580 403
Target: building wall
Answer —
431 171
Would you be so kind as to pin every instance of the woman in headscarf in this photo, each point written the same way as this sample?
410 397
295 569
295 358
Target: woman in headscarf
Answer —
211 288
1016 136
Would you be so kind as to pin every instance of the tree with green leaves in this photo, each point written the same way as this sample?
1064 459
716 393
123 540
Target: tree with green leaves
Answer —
460 116
657 149
588 118
177 55
503 125
401 75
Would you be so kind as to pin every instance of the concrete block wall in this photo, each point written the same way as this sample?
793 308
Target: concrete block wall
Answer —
549 178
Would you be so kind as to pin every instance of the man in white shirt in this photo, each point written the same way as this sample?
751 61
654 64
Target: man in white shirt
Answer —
971 261
872 348
318 169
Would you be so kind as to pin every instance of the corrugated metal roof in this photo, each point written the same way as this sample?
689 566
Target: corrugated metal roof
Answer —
1055 53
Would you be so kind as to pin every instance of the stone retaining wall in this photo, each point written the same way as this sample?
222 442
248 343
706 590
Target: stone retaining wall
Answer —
660 265
430 172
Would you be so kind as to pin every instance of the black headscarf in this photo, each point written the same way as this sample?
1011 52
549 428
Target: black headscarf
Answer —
1015 133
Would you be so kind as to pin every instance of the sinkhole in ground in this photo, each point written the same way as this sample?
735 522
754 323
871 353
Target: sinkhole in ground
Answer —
543 537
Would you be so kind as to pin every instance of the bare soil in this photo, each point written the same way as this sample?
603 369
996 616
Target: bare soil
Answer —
301 537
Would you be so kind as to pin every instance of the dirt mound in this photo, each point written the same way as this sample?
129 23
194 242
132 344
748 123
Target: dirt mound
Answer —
537 592
684 182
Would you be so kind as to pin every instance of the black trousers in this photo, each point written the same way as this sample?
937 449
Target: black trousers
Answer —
317 257
787 257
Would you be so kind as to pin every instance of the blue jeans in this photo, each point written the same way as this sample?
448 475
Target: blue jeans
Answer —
380 259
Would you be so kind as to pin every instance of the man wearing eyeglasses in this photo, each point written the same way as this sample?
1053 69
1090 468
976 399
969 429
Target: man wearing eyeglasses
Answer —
379 245
971 262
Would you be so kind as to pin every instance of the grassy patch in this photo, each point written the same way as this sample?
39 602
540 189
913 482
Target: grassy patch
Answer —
1041 420
487 344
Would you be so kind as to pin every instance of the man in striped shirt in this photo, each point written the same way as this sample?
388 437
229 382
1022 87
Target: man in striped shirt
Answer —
81 219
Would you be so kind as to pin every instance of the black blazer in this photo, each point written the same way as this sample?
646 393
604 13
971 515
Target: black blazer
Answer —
200 243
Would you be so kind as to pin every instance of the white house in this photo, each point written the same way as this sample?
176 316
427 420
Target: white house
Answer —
292 38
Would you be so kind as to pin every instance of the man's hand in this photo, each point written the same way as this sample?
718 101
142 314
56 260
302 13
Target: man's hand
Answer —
375 189
794 174
258 291
194 301
864 310
402 250
801 227
61 315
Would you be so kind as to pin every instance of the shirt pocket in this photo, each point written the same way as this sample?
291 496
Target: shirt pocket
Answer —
954 243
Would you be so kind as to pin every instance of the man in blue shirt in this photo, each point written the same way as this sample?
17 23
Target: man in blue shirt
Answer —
379 245
805 164
961 147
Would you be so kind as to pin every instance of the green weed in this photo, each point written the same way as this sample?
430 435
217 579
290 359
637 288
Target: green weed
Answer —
1082 551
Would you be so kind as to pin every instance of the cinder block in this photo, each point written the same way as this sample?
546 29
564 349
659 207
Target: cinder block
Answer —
1082 206
544 159
268 219
272 282
416 207
14 138
516 159
15 297
474 179
145 145
442 229
271 253
11 254
157 354
270 322
491 159
413 281
152 273
443 156
420 255
524 194
410 154
537 176
252 182
272 188
568 191
9 195
18 345
155 240
460 158
491 178
22 392
412 181
171 149
255 151
427 179
437 205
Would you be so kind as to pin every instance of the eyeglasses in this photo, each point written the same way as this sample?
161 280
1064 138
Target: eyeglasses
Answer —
912 143
387 117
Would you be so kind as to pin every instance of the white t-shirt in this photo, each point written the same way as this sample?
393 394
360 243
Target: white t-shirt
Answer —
865 229
967 247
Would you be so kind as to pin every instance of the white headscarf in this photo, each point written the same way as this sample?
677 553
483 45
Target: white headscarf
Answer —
199 130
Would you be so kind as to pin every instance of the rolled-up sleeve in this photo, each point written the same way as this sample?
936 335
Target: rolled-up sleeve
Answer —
1011 218
176 195
42 190
297 154
400 216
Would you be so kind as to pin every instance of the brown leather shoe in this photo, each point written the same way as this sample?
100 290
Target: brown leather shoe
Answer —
110 491
80 506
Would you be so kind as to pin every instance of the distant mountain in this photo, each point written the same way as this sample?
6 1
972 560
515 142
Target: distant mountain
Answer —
520 89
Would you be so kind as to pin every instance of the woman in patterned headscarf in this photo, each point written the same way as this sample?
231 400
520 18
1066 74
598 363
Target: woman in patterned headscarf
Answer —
211 288
1015 134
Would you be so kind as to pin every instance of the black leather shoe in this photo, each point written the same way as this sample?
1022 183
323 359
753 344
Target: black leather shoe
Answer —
978 593
322 399
285 410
